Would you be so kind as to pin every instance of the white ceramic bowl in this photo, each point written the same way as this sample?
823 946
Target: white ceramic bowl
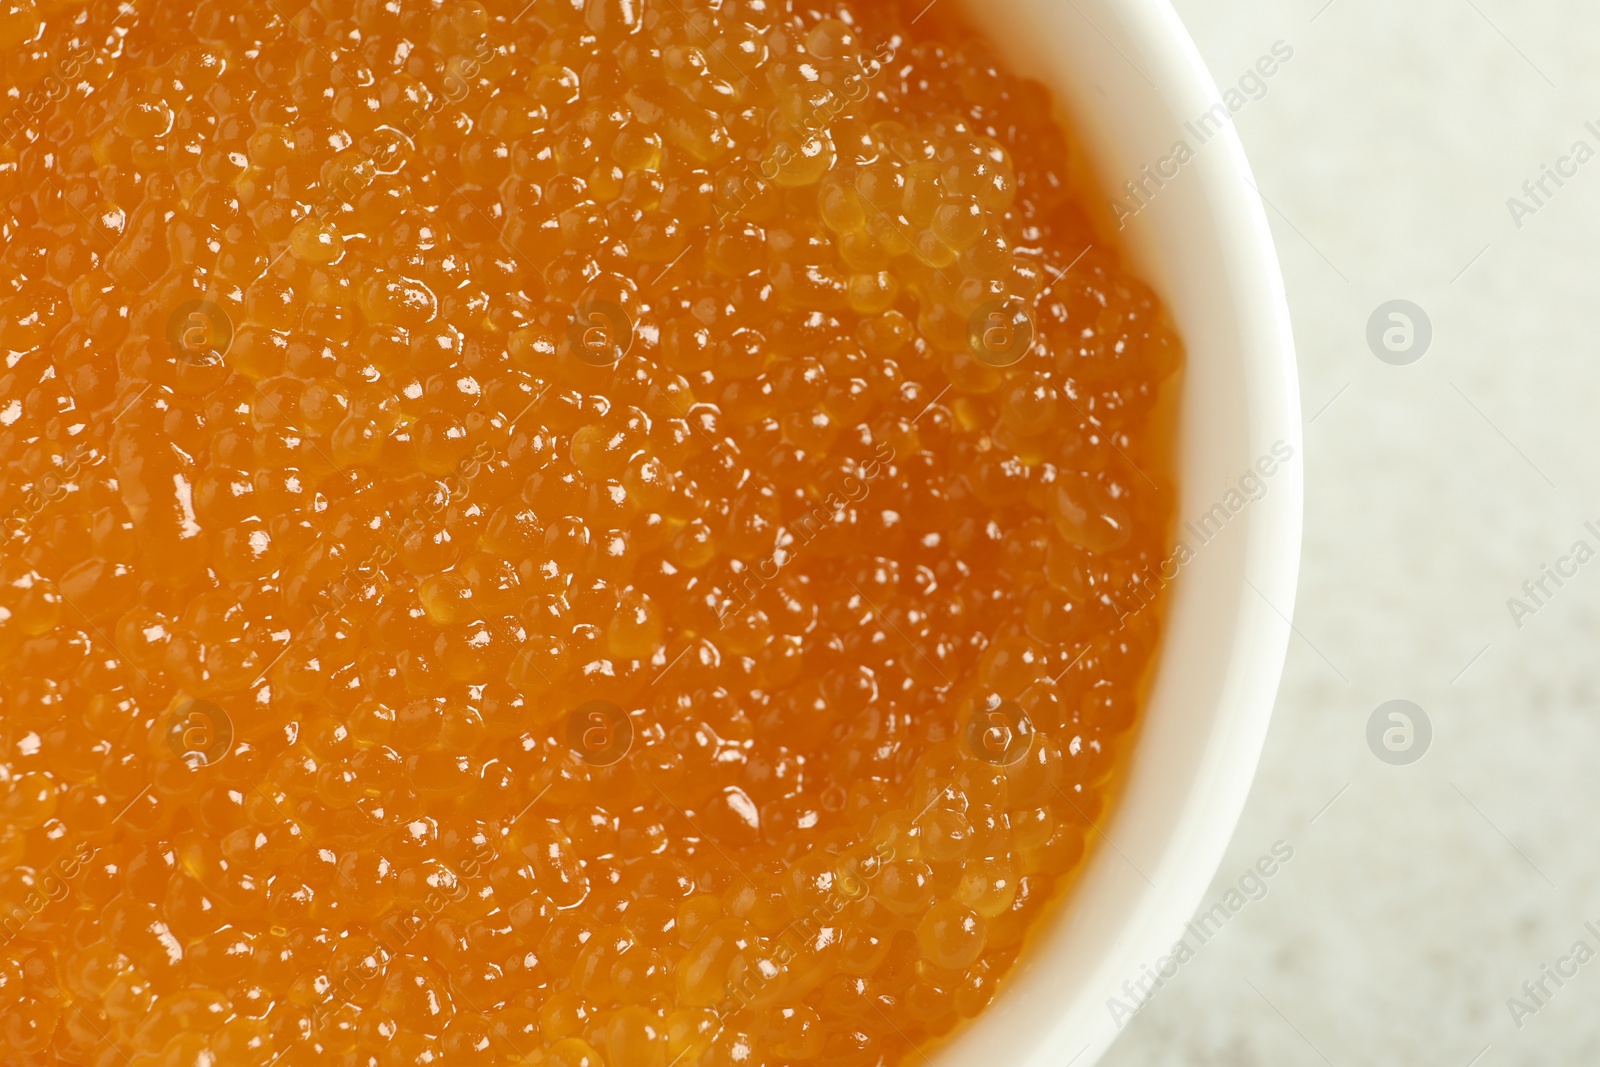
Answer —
1128 77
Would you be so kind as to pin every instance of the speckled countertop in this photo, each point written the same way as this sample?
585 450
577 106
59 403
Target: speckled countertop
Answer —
1421 897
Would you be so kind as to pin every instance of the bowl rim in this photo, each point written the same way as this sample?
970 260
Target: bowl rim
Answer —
1051 1014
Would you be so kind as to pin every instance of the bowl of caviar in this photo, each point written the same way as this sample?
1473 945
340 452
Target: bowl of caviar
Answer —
616 533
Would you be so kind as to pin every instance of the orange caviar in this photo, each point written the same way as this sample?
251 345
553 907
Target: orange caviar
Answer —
588 534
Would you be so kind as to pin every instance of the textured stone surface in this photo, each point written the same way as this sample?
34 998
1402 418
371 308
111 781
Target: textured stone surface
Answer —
1427 894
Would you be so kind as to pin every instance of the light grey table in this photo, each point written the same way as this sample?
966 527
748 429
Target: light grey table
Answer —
1422 897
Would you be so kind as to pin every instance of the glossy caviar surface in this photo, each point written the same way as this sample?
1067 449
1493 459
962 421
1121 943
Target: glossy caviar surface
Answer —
590 534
